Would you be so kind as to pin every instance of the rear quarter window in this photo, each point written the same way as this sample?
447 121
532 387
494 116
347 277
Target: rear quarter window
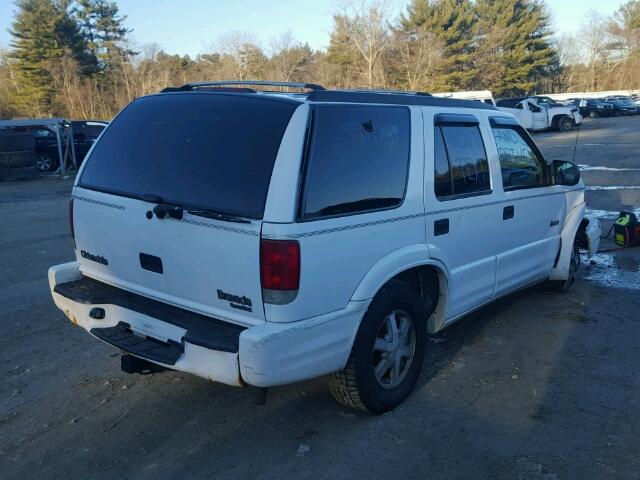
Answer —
357 161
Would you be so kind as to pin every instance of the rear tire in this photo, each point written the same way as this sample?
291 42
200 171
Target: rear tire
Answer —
385 360
592 114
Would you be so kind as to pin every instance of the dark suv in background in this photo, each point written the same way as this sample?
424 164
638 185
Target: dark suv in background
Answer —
85 133
593 107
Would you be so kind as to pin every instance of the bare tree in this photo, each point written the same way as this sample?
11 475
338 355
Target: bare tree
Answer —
290 60
366 30
417 56
593 39
240 55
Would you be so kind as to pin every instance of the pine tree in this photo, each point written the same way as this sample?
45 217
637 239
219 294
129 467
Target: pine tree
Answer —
42 33
103 28
514 49
450 23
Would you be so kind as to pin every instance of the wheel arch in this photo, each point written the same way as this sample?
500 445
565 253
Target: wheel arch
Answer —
567 238
413 265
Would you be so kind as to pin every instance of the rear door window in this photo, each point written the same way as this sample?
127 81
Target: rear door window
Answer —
357 161
207 150
461 165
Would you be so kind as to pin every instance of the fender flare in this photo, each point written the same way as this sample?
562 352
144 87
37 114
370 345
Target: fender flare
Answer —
567 235
397 262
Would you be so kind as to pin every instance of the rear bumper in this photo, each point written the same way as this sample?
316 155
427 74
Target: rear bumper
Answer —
264 355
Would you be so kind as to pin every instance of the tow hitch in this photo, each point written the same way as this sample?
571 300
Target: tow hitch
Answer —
131 364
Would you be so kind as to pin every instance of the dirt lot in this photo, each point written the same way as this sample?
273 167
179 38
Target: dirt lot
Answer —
537 386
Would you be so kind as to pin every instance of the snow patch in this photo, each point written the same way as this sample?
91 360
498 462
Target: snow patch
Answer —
609 214
605 270
614 187
586 168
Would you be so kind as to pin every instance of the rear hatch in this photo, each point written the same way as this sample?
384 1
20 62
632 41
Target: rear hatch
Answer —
170 202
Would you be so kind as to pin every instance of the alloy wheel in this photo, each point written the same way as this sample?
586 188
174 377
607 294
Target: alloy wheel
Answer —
394 349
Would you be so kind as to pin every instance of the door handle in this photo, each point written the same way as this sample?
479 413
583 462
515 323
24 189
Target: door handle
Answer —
441 227
507 212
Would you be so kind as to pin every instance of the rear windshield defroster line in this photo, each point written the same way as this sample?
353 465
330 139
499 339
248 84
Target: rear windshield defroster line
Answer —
211 150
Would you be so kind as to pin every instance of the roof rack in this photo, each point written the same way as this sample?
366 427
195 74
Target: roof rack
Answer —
342 96
387 91
227 83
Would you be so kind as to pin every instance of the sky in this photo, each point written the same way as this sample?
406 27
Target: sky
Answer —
191 26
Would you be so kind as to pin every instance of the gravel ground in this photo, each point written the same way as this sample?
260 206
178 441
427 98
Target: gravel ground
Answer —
539 385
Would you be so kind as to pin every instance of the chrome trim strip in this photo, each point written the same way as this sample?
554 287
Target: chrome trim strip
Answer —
408 217
98 202
347 227
219 227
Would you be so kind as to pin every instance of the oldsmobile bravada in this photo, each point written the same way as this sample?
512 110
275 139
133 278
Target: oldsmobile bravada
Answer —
260 238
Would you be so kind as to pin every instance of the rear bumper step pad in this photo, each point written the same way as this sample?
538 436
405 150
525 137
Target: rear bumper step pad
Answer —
201 330
122 337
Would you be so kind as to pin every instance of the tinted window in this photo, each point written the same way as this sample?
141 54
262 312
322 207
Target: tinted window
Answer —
358 160
468 168
533 107
442 178
214 151
90 131
42 132
520 165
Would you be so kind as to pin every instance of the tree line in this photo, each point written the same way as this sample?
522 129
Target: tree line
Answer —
75 58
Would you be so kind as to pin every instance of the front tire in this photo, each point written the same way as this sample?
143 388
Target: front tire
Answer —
592 114
387 355
565 124
565 285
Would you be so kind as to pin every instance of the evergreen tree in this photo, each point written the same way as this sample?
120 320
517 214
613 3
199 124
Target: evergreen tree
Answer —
514 51
450 22
43 33
103 29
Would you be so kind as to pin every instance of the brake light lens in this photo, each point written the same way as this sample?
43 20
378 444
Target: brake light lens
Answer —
279 270
71 228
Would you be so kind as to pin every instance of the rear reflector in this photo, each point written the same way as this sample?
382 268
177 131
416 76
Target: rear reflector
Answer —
279 270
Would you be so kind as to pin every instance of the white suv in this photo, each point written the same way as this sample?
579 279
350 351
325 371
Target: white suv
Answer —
262 238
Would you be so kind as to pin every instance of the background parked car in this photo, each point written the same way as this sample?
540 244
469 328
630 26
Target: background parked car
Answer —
541 113
84 135
622 105
592 107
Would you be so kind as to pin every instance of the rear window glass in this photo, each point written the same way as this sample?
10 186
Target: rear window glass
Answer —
205 150
358 160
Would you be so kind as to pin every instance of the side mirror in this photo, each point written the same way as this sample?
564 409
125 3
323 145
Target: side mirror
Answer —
565 173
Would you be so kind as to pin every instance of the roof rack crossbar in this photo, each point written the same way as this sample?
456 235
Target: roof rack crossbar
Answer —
265 83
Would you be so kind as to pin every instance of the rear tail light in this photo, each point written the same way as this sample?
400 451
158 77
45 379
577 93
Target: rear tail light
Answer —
73 233
279 270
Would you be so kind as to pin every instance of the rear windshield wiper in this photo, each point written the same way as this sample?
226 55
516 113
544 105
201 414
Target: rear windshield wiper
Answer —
176 211
225 217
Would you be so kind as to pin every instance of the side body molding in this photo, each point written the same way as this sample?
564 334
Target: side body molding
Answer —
397 262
